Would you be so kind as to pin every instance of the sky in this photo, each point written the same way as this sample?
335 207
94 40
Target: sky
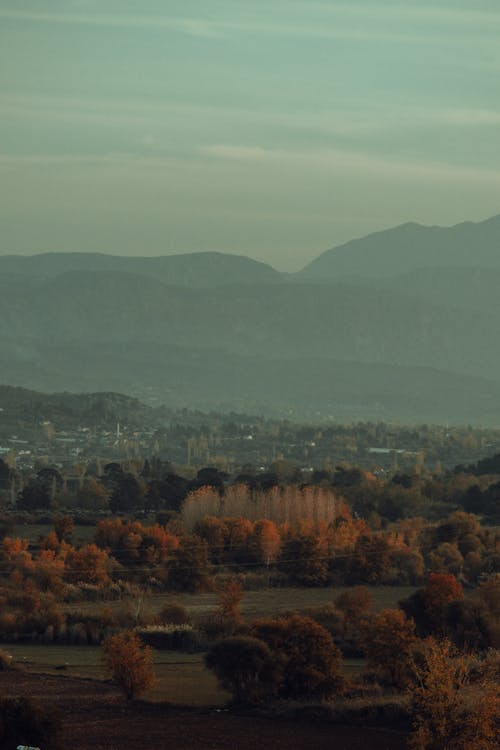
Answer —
269 128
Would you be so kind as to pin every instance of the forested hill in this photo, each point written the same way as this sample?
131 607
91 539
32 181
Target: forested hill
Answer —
23 407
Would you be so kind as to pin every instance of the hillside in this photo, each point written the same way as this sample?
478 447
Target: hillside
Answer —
409 247
208 269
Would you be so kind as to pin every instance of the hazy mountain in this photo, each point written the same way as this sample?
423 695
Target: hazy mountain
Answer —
342 322
305 388
475 289
409 247
415 337
190 270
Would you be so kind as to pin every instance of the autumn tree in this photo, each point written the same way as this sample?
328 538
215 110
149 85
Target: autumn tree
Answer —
245 667
388 642
89 564
304 559
229 598
63 528
452 708
310 662
129 662
355 603
188 568
265 542
428 606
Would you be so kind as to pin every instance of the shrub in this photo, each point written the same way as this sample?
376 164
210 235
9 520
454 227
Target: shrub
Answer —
24 722
170 637
174 613
245 667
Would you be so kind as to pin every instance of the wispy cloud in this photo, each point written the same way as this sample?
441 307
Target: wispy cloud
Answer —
397 11
279 164
192 26
352 163
211 28
350 117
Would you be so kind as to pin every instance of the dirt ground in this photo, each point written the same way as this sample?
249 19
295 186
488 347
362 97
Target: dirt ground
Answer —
95 717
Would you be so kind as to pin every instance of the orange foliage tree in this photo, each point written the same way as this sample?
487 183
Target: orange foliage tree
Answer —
388 642
229 599
89 564
265 541
453 709
129 662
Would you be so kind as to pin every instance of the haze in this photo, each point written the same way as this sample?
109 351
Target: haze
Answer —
275 130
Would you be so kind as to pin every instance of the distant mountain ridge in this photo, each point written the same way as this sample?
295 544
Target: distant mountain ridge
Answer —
197 270
400 325
409 247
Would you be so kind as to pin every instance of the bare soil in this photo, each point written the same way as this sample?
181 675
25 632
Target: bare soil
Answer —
95 717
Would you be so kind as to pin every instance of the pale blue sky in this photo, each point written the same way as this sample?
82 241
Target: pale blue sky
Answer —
271 128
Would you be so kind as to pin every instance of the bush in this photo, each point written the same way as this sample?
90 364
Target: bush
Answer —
171 637
23 721
245 667
173 613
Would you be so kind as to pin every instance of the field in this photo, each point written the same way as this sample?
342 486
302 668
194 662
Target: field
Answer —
261 603
182 678
95 717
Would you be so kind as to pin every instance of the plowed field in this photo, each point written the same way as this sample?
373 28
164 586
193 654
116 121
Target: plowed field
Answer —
95 717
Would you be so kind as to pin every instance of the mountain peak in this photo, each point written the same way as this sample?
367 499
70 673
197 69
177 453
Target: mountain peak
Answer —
409 246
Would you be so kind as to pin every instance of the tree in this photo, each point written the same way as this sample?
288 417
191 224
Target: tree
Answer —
310 662
245 667
452 709
428 606
265 541
304 559
64 527
127 494
388 642
189 567
129 662
89 564
229 599
355 603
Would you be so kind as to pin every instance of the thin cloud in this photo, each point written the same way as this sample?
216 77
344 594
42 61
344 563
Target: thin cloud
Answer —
191 26
426 13
351 163
214 29
351 118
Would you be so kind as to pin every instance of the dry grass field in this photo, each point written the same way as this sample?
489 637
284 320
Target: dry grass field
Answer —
261 603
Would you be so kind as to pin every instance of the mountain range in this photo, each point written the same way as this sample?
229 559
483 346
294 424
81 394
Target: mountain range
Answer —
399 325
